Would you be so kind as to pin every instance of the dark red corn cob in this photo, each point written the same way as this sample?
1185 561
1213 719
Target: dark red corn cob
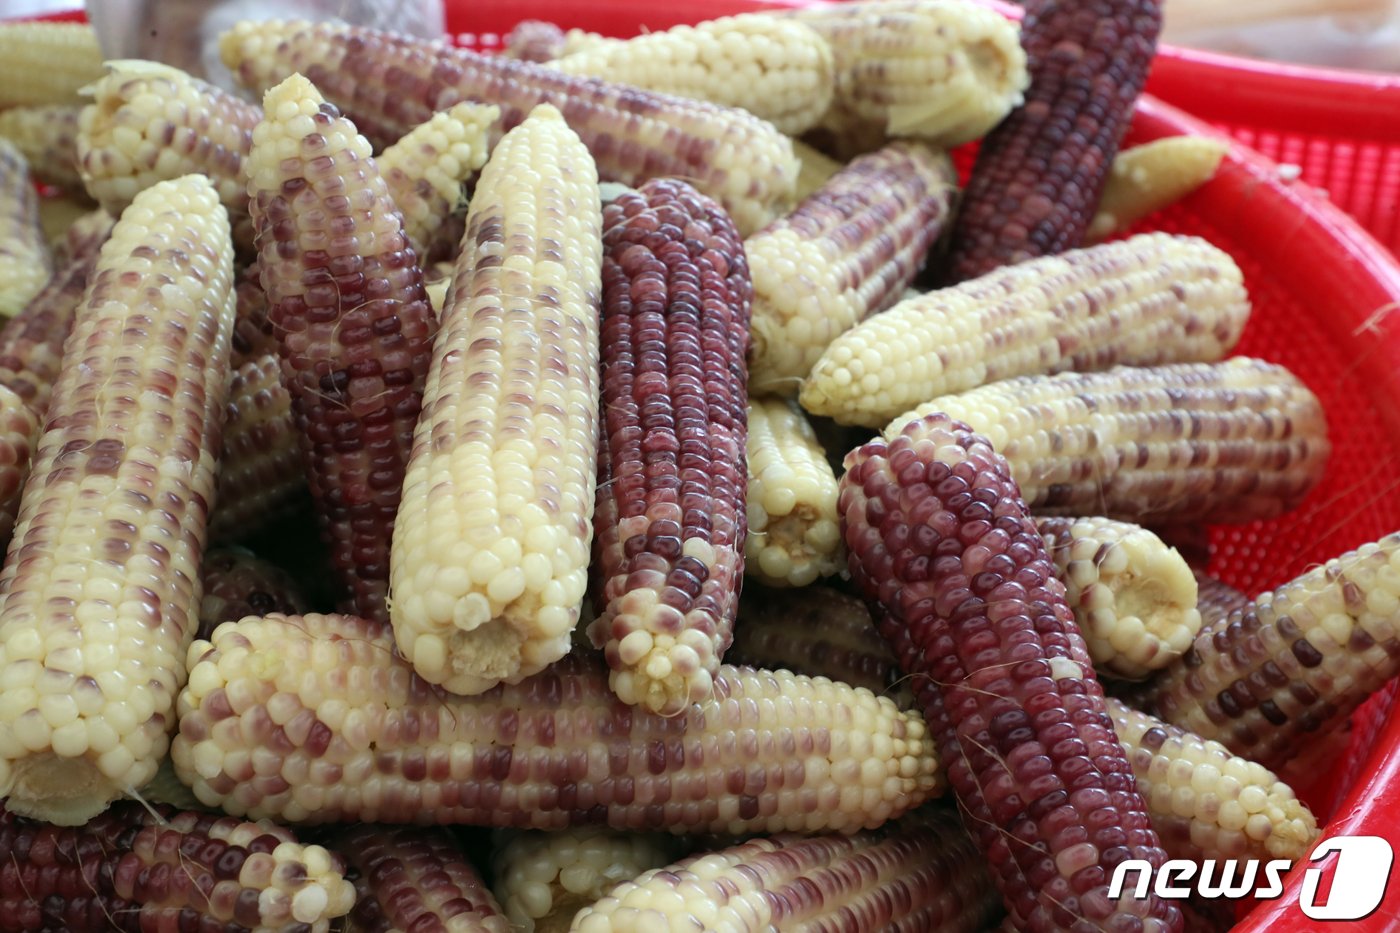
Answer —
239 584
252 331
414 878
671 517
1039 174
160 870
943 547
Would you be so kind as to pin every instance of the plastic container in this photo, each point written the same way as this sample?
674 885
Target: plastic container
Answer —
1327 305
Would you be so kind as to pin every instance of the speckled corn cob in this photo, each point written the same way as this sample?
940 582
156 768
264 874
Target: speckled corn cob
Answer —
818 631
794 531
388 84
260 467
1221 442
99 594
943 70
1206 802
426 168
943 547
1133 596
1216 599
544 879
670 524
354 329
47 137
1297 660
149 122
491 547
534 40
1039 175
129 869
816 168
845 253
1150 300
1146 178
253 335
778 70
238 584
19 432
922 873
411 878
46 63
366 740
25 263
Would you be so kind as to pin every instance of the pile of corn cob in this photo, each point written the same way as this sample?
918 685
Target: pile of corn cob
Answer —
539 488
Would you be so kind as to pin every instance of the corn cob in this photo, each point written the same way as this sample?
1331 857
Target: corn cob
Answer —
845 253
426 168
237 584
260 466
544 879
364 739
1206 802
1151 300
130 869
1294 662
47 137
19 430
943 547
820 632
150 122
1222 442
99 594
167 788
490 550
414 879
945 71
778 70
354 329
1133 596
670 523
1041 172
1191 539
1216 599
922 873
25 264
1147 178
815 168
253 336
794 531
389 83
46 63
534 40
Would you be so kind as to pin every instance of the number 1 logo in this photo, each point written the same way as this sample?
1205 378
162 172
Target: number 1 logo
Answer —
1358 881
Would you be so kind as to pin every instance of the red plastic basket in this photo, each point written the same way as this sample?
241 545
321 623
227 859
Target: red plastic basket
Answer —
1327 305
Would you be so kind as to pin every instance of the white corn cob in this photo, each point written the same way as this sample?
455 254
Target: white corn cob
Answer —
1148 177
491 545
25 263
100 595
46 63
47 137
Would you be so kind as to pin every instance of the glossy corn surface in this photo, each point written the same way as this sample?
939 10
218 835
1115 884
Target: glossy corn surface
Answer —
1223 442
388 84
1154 299
25 263
367 740
670 524
46 63
47 137
93 648
1148 177
845 253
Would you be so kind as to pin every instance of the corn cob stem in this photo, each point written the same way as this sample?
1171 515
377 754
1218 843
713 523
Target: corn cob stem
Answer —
1151 300
1296 660
237 584
1147 178
778 70
845 253
945 71
921 873
25 264
367 740
794 531
670 523
346 301
130 869
544 879
1041 172
1223 442
47 137
414 879
389 83
943 547
46 63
